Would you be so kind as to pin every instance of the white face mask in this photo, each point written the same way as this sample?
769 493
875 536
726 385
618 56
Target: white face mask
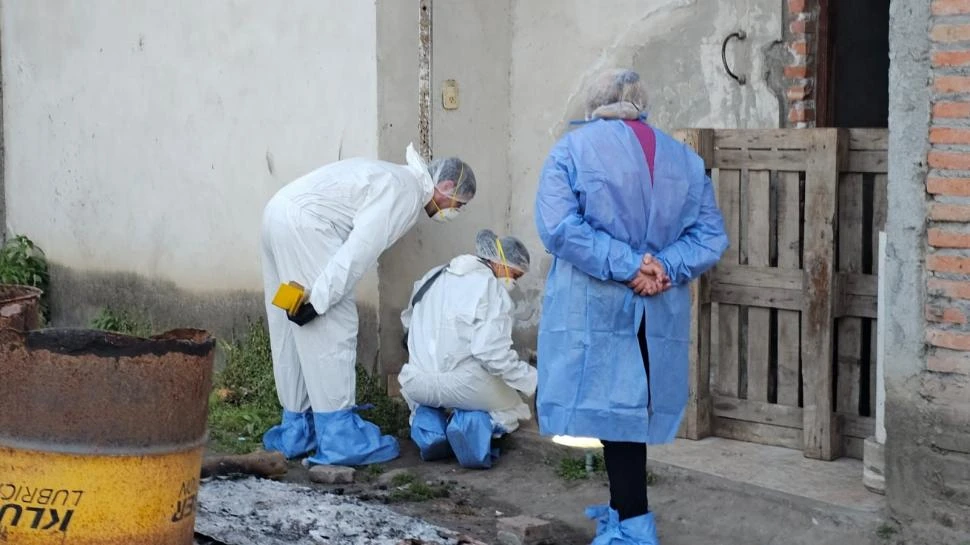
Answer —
508 284
445 215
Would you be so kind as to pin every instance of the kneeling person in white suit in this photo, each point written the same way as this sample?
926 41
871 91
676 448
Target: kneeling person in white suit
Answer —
325 230
459 326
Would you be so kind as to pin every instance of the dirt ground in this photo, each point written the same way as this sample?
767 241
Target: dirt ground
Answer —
691 509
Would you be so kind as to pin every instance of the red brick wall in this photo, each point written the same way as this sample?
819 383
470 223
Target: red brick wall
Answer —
948 184
800 73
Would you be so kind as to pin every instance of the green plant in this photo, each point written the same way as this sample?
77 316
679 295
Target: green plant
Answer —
886 531
22 262
574 468
390 414
247 378
371 473
238 429
403 479
244 403
418 491
122 321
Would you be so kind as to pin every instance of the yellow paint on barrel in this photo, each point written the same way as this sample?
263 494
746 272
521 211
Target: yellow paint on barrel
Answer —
48 498
101 436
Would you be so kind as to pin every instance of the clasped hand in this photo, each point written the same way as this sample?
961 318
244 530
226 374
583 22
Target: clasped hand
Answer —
651 279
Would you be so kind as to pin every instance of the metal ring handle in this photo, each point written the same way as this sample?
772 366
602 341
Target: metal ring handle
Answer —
740 35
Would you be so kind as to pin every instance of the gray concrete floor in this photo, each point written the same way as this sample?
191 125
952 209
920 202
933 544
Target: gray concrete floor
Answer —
715 492
837 483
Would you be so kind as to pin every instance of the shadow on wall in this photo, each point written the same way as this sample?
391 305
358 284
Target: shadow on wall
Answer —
77 297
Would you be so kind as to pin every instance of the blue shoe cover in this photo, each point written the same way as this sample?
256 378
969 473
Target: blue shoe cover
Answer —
346 439
610 530
293 437
470 436
428 431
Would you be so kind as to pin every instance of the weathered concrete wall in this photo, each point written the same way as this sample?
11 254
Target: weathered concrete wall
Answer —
674 44
927 412
520 83
145 138
471 44
397 103
397 77
905 225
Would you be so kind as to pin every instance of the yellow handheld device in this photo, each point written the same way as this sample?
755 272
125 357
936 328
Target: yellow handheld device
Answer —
290 296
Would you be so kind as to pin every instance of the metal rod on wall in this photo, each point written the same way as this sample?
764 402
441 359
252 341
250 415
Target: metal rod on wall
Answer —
425 47
741 36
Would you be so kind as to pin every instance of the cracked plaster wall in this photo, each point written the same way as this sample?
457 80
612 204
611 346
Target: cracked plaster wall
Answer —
676 47
145 141
537 56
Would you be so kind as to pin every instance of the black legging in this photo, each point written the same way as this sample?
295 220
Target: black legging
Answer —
626 463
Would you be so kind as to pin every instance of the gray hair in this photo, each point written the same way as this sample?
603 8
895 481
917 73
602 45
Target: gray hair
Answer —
616 93
456 170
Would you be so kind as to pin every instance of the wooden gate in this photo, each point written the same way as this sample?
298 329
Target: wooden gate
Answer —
784 337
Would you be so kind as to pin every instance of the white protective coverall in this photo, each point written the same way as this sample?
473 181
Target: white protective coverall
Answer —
460 346
325 230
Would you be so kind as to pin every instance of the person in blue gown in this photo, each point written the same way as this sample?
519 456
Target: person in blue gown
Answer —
629 215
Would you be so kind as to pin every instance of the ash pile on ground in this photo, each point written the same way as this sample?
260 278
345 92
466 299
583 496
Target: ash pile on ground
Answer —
262 512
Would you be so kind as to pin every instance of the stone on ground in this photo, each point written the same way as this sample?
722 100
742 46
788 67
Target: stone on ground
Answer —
523 530
332 474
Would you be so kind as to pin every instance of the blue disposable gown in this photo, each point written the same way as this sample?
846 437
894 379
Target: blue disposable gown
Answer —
598 212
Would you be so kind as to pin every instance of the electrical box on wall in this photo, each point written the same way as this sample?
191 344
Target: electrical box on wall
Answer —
449 95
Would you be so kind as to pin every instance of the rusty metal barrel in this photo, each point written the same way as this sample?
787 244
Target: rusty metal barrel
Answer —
101 435
19 307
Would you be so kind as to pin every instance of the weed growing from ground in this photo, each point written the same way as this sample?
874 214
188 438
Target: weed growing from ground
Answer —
403 479
886 531
244 403
574 468
391 415
408 489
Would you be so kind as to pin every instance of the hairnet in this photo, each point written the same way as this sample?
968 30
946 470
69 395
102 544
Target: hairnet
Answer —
459 172
515 253
617 89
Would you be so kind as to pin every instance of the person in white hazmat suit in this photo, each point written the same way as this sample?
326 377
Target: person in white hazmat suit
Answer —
459 327
325 230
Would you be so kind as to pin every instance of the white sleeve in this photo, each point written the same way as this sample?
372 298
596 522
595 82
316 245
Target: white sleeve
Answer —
406 317
388 211
491 341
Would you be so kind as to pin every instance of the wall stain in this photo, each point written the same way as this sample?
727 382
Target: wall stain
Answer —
270 163
78 296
